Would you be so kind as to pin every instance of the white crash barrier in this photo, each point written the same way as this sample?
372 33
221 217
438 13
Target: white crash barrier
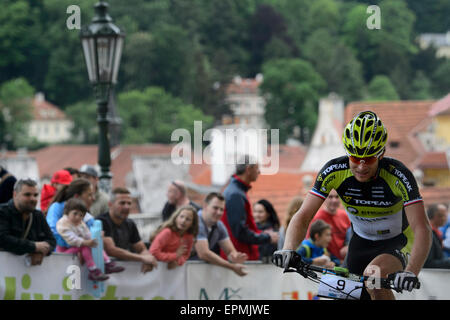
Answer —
61 277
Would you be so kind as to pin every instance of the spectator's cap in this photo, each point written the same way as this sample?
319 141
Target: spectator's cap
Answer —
61 177
88 169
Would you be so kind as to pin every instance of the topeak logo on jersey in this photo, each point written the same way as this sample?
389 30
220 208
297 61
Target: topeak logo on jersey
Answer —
347 199
328 180
370 219
319 178
374 202
335 167
400 174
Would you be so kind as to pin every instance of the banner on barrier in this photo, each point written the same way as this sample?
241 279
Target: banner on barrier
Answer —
263 282
61 277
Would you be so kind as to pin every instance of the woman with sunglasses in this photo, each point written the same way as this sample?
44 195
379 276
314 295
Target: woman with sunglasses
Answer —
391 233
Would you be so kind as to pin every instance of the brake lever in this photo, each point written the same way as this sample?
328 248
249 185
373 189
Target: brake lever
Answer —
303 272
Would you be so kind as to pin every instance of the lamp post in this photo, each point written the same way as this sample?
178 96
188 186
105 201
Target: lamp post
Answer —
102 43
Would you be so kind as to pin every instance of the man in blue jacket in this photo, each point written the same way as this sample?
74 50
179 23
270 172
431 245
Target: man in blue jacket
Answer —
238 216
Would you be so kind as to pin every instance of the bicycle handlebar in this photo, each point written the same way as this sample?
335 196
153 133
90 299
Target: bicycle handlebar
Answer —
309 270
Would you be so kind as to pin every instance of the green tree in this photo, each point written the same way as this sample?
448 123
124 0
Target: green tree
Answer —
441 79
292 89
146 14
381 89
336 63
295 13
15 112
432 15
84 116
324 14
66 81
383 50
224 31
267 27
20 48
136 66
151 115
421 87
163 58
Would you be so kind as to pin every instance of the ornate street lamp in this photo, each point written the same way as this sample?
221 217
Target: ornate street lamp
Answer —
102 43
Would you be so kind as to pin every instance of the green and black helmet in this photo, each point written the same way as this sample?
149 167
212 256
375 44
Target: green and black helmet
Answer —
365 135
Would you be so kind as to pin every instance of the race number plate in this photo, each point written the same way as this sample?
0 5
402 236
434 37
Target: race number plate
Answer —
336 287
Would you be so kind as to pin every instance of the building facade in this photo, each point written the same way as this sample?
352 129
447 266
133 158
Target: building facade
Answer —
49 124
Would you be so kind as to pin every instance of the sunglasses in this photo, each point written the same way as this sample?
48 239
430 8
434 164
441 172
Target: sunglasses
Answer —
366 160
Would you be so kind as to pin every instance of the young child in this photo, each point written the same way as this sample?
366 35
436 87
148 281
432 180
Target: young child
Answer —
314 250
76 233
172 242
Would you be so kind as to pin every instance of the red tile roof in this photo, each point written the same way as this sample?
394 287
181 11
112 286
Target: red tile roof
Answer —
291 157
201 174
279 189
56 157
434 160
440 107
44 110
243 86
435 195
400 118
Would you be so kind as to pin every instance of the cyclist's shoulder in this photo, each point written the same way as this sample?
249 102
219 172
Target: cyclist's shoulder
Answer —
394 166
336 164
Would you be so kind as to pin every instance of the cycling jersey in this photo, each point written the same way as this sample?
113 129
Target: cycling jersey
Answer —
375 207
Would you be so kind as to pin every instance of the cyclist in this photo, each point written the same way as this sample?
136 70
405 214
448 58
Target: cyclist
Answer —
391 232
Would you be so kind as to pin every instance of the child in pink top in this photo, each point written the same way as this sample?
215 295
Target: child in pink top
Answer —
172 242
76 233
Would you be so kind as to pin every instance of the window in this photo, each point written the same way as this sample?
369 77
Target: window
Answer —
394 144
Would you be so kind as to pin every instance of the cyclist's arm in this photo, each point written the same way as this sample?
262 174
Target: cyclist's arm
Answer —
420 225
298 226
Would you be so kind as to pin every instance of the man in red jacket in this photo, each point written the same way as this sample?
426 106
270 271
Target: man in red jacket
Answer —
238 216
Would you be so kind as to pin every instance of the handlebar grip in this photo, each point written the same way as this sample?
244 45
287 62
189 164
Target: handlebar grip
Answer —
387 281
286 263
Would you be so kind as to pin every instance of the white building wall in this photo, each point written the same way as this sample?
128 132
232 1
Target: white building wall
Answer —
327 139
51 131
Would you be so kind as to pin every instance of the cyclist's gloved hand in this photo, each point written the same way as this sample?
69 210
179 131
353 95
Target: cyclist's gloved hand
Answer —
285 258
404 280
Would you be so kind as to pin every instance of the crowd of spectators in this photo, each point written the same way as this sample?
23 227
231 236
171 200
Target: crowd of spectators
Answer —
225 230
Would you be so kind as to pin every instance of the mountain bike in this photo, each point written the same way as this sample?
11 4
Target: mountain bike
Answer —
338 283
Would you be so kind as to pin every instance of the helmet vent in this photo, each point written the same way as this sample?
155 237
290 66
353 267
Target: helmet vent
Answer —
367 137
360 151
347 133
373 150
377 136
356 135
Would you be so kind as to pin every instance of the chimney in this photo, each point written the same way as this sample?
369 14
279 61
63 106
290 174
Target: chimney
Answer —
39 97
